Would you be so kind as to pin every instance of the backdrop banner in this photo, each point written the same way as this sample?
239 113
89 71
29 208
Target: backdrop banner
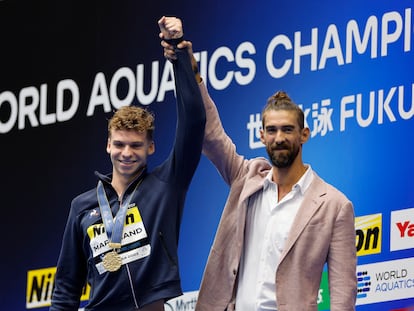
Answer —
65 66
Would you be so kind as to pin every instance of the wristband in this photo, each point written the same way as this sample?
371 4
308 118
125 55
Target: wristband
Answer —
175 41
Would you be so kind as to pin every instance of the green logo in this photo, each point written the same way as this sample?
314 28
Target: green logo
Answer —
323 296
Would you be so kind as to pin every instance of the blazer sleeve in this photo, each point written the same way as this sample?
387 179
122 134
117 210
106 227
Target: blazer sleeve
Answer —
218 146
342 261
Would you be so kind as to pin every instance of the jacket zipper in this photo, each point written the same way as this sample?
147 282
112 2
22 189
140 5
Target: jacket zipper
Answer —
132 287
131 284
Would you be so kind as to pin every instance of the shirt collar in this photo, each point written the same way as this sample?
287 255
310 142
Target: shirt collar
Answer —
302 185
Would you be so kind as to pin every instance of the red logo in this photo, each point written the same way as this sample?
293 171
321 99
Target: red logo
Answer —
405 309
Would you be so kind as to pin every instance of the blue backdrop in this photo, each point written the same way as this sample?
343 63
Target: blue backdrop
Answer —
66 65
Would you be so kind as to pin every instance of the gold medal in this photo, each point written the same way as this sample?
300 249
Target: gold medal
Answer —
112 261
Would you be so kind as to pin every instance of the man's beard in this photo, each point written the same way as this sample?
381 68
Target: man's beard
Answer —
282 156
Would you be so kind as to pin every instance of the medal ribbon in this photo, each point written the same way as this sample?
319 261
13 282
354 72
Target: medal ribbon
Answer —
113 225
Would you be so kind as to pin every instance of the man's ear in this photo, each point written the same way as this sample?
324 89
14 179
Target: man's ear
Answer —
305 135
108 146
151 148
262 137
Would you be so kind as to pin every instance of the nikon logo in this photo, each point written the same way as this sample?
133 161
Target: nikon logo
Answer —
368 234
40 285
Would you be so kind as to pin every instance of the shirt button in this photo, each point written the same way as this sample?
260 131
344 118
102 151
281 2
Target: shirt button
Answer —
234 271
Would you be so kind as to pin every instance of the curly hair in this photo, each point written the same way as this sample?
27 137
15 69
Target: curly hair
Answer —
281 101
132 118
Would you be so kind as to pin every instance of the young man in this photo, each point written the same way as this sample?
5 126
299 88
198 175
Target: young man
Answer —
121 237
281 224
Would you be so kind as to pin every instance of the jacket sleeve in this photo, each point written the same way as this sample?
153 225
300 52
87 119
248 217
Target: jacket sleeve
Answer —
342 261
191 117
217 145
71 270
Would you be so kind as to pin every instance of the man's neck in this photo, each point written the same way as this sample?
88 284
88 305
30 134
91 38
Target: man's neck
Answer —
121 183
120 186
285 178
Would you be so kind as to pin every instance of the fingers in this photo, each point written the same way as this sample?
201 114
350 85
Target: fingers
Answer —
171 27
174 26
161 21
161 25
170 55
169 52
185 45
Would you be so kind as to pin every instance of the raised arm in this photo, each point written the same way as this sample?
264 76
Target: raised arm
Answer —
217 145
190 110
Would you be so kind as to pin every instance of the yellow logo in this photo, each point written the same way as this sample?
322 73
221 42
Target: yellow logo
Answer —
132 216
40 285
368 234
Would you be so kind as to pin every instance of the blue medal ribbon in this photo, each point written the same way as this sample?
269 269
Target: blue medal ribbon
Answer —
114 226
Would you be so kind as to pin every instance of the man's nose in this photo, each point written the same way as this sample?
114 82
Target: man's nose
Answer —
127 151
279 137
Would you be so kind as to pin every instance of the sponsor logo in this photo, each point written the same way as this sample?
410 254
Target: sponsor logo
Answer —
368 234
40 285
404 309
186 302
364 284
402 229
324 300
385 281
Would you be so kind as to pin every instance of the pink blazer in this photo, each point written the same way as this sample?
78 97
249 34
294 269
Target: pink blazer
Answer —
322 232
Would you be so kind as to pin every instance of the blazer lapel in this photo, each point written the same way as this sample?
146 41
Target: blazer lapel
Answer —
251 186
314 197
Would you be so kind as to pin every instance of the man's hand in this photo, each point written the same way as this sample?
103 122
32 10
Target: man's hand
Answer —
169 51
170 27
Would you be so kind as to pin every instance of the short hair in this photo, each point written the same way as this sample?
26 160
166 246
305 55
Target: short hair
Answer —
281 101
132 118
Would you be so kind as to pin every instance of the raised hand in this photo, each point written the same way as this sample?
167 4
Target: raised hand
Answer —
170 27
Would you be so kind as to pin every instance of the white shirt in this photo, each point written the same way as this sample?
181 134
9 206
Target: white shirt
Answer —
268 223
